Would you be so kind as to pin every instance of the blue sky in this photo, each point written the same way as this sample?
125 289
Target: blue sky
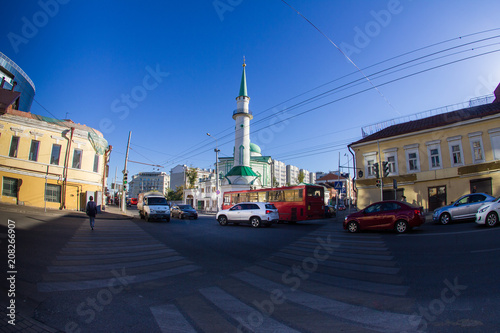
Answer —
179 63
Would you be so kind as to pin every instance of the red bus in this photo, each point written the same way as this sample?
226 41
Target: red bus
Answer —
294 203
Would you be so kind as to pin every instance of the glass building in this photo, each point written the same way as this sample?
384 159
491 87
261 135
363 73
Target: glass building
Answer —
11 72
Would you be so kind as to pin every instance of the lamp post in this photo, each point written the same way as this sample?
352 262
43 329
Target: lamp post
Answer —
216 171
348 186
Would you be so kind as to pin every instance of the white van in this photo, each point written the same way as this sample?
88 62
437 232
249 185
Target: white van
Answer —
153 206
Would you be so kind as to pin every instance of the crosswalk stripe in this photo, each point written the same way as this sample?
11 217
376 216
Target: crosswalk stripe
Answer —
239 310
369 318
115 255
170 320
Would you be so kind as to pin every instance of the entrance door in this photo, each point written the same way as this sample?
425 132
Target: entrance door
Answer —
437 197
481 186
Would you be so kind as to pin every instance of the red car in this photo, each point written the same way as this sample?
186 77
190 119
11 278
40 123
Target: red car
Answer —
394 215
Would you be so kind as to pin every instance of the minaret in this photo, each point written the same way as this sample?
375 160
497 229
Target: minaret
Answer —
242 115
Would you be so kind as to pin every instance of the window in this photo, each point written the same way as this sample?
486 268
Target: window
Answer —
53 193
9 187
77 159
96 163
370 159
374 209
456 154
56 153
412 158
476 144
434 153
34 150
391 156
495 142
14 145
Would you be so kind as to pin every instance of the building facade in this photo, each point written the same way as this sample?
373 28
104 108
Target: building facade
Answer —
12 76
149 181
279 173
292 175
49 163
434 160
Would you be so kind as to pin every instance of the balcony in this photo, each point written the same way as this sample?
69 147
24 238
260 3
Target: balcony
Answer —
242 111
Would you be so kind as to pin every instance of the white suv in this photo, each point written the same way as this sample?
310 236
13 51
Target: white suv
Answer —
255 213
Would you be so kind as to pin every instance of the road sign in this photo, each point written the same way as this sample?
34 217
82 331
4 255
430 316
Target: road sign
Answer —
338 185
218 192
344 190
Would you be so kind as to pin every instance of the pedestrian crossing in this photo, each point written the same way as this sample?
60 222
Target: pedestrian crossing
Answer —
326 281
117 252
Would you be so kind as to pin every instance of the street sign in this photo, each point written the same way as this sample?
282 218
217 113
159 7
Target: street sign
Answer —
338 185
344 190
218 192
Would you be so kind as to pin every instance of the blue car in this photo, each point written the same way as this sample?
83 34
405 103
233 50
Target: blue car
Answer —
464 208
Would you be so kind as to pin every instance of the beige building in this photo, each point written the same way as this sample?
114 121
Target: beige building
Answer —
47 162
433 160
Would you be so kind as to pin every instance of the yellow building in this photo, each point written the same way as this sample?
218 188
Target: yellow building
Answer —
433 160
46 162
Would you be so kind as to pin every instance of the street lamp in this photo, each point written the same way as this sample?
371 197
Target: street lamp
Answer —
216 171
348 185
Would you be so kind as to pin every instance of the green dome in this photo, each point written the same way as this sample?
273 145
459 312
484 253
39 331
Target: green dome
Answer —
254 148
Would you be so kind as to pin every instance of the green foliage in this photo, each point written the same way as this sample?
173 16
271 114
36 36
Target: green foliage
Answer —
301 177
192 175
176 195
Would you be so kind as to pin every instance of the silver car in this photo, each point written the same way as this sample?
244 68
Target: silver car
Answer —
464 208
255 213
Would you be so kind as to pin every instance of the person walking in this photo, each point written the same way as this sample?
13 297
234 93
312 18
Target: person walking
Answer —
91 211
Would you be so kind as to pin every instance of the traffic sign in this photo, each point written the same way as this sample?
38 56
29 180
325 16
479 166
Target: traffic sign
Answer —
338 185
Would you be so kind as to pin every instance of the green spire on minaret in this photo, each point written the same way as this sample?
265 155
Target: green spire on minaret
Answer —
243 85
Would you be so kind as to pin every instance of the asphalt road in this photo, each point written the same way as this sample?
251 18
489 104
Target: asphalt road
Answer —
128 275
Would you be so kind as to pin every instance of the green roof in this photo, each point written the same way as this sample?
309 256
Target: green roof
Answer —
241 171
243 85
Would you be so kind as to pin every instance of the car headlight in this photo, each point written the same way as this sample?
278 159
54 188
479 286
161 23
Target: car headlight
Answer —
482 210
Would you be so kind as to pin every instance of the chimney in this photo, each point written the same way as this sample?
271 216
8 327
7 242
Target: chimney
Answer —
13 86
497 94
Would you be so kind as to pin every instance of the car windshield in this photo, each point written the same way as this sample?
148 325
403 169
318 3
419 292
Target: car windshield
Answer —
157 201
185 207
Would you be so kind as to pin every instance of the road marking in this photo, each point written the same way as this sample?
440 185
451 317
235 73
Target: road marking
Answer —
171 320
448 233
381 321
488 250
241 312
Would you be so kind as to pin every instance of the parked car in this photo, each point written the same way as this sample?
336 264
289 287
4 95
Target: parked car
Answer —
133 201
395 215
341 207
182 211
464 208
255 213
488 213
330 211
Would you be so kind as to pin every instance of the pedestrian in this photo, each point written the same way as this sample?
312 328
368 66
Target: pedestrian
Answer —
403 198
91 211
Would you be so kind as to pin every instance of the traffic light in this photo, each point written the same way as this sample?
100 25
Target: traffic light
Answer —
376 170
125 178
378 183
385 168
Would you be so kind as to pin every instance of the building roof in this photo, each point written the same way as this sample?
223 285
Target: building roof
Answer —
241 171
330 177
243 85
439 120
254 148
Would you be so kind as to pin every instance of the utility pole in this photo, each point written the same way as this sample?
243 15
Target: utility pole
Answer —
380 173
348 186
216 172
124 199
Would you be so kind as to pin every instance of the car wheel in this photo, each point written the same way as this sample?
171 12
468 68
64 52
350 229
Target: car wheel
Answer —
445 218
255 222
491 219
352 227
222 220
401 226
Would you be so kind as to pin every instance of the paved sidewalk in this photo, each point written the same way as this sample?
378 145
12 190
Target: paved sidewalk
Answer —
24 324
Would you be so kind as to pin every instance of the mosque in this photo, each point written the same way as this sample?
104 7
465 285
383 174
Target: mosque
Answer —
247 169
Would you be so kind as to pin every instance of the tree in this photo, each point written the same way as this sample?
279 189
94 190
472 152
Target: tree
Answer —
275 182
176 195
301 177
192 175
